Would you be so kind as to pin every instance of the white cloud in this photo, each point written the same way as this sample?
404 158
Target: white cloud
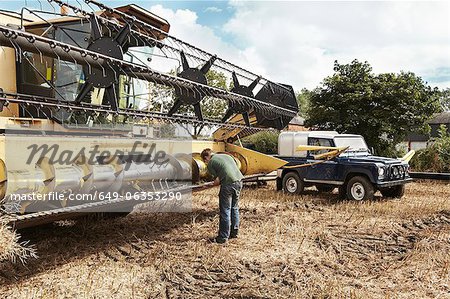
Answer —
184 25
213 9
297 42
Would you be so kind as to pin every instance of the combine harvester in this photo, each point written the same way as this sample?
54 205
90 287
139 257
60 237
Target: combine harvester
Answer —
72 80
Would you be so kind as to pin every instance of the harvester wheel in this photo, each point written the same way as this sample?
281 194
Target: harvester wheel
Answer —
360 188
293 184
394 192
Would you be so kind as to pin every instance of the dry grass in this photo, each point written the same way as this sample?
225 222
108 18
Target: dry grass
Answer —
12 249
311 246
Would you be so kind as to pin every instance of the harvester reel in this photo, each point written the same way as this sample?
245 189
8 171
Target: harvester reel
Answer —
241 108
279 95
190 96
104 76
103 62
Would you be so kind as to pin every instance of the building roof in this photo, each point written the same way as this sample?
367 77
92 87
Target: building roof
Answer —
298 121
441 118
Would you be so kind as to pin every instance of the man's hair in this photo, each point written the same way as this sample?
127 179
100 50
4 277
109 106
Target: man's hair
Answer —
206 153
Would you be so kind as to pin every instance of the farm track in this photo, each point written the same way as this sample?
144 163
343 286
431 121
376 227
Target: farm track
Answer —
305 246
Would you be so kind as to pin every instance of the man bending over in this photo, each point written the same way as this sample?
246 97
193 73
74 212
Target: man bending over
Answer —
226 172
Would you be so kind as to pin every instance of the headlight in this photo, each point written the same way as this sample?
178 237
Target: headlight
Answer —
381 172
395 171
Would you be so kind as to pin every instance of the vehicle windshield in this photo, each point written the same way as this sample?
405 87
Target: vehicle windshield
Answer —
356 144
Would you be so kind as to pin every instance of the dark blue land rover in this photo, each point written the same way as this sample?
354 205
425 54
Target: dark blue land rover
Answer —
356 172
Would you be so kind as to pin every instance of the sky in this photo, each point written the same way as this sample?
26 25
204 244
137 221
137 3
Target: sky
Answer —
297 42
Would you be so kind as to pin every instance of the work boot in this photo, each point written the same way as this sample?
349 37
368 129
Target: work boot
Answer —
218 240
234 233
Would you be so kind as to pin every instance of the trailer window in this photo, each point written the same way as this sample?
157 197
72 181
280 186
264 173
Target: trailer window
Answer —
319 142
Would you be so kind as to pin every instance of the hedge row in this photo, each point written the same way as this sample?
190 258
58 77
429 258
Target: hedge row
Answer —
436 157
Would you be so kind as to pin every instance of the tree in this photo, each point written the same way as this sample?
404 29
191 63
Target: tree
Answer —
265 142
444 96
303 100
383 108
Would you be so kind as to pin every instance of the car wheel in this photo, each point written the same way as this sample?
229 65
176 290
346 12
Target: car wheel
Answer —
324 188
394 192
292 183
360 188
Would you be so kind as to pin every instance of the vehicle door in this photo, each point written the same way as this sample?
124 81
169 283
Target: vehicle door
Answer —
325 171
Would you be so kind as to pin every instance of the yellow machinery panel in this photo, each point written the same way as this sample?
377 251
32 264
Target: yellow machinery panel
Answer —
256 162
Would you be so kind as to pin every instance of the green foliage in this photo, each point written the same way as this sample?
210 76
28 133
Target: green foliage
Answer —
383 108
444 97
212 107
436 157
265 142
303 100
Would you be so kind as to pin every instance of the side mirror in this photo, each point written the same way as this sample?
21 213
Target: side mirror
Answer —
372 151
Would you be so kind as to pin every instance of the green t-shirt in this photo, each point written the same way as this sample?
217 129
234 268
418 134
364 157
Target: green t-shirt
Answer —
224 167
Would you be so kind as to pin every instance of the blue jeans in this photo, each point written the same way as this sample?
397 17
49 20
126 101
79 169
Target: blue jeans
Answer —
229 208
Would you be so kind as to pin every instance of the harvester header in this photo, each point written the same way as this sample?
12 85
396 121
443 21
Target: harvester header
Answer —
93 88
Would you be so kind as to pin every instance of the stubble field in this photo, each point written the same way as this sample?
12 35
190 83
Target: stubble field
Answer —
310 246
